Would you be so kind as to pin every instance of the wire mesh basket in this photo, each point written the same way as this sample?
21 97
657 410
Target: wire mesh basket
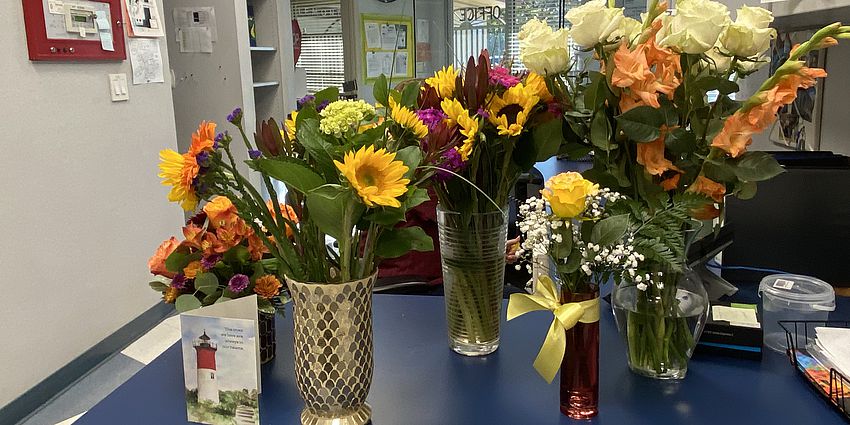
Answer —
826 380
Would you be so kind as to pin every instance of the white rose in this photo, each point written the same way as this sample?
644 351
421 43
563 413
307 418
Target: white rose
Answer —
750 35
543 50
594 22
720 61
629 28
695 27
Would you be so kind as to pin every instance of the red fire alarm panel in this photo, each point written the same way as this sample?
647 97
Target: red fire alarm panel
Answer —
74 30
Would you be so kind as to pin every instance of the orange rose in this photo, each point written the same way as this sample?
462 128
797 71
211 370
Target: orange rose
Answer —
157 261
220 212
708 188
267 286
192 269
651 156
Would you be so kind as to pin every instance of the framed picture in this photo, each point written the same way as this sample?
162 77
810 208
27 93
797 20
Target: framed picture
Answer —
799 124
83 30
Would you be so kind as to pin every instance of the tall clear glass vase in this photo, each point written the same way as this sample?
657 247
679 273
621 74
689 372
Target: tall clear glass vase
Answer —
472 249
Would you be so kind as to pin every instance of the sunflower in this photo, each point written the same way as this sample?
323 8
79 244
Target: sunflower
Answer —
375 175
443 81
469 126
510 111
537 84
179 171
288 132
408 119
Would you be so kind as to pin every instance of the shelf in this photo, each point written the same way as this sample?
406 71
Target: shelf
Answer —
263 49
260 84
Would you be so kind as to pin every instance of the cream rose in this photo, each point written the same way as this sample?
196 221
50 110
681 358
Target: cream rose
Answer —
695 27
594 22
567 192
718 60
542 49
750 35
745 68
629 28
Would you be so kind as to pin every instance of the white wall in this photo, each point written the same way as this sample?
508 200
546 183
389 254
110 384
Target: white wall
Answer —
82 208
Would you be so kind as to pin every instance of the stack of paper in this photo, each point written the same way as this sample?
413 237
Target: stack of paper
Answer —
832 347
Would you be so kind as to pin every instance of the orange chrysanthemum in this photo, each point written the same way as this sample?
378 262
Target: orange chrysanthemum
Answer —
192 269
267 286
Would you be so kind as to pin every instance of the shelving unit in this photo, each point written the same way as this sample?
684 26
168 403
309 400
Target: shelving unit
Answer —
261 84
263 49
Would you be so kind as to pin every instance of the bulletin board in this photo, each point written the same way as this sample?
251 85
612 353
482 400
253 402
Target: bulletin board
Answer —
388 46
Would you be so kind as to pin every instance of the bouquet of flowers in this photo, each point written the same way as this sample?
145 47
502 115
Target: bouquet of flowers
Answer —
220 258
658 139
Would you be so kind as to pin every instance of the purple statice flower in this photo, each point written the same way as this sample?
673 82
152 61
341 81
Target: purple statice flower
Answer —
501 76
210 261
452 162
254 154
431 117
179 281
322 105
235 117
238 283
303 101
218 139
202 158
483 113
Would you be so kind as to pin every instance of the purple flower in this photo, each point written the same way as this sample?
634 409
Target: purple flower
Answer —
483 113
235 117
501 76
303 101
202 158
453 162
431 117
210 261
179 281
254 154
238 283
322 105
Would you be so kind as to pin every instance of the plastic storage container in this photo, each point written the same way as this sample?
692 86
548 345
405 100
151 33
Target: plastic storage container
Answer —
792 297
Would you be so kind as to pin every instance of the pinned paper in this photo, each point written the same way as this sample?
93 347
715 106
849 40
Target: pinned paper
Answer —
56 7
101 20
106 41
195 40
196 17
745 317
146 60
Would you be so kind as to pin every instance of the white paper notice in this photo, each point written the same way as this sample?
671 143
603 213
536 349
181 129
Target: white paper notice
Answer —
144 18
196 17
389 35
422 35
146 60
745 317
373 35
400 63
195 40
106 41
102 20
56 7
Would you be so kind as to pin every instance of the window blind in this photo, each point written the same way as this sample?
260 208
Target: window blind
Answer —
321 42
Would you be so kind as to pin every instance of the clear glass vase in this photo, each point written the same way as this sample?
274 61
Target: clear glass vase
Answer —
472 250
661 327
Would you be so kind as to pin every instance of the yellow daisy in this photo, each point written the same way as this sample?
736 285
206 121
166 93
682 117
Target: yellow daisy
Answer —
408 119
511 110
443 81
178 171
375 175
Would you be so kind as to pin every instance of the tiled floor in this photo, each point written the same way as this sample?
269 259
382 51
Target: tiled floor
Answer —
68 406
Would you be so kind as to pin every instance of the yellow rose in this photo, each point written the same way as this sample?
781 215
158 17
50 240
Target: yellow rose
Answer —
750 35
594 22
542 49
695 27
567 192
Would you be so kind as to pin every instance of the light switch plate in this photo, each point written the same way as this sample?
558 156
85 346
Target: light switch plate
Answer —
118 87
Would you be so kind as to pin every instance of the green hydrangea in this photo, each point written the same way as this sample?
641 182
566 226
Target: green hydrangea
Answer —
343 115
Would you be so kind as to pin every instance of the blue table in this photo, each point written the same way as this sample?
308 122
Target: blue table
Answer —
418 380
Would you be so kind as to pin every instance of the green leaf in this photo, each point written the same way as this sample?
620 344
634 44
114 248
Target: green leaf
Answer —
680 141
671 118
547 137
596 93
415 197
720 84
222 299
212 298
609 230
381 90
158 286
574 150
326 206
411 156
410 95
264 305
720 171
178 260
600 132
386 216
331 94
206 283
642 124
187 302
564 248
313 141
756 166
295 173
746 190
394 243
237 255
572 264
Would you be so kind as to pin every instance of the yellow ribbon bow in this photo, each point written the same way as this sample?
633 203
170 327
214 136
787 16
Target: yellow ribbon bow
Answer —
551 353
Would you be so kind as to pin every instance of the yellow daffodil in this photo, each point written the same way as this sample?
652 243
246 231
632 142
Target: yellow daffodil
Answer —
443 81
375 175
511 110
178 171
408 119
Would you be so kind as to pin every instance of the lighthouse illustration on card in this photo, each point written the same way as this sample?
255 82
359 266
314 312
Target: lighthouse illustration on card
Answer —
221 363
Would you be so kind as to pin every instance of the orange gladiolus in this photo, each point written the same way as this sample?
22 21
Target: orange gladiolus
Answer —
709 188
671 183
630 66
736 135
706 212
157 261
221 212
651 156
285 210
